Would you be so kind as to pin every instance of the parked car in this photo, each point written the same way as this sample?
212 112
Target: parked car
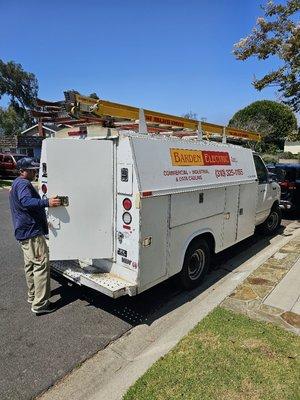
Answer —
8 164
288 177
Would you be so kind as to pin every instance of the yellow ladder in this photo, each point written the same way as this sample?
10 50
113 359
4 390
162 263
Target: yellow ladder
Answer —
79 105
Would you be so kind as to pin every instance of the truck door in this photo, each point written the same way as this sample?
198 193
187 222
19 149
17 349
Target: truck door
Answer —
230 218
247 209
265 197
82 170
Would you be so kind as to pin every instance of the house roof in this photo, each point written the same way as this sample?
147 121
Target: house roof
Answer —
44 127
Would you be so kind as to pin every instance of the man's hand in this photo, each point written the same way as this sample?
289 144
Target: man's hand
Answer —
54 202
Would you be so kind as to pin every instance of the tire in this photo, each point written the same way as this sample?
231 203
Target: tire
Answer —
273 222
196 264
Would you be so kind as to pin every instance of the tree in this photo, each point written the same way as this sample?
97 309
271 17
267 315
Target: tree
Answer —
276 34
294 136
11 122
21 87
276 122
94 96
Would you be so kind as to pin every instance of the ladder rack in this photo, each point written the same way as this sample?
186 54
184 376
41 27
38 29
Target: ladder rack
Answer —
78 109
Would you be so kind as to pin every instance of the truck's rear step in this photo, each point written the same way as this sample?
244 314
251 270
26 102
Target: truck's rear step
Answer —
94 278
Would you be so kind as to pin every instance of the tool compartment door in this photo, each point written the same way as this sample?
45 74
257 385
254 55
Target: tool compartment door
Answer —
83 171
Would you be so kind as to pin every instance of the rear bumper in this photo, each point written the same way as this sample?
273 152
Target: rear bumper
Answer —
103 282
286 205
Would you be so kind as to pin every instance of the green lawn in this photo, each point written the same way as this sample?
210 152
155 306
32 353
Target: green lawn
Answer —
226 357
5 183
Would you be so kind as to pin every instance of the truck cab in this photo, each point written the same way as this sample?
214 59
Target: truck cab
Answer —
268 196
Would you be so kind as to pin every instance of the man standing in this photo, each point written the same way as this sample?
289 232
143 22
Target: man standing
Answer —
30 226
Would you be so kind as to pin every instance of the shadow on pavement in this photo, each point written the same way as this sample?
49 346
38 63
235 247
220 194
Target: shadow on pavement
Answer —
155 302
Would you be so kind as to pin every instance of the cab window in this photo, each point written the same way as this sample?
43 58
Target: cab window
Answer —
280 173
261 170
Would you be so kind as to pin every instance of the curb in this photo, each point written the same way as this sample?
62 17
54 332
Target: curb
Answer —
110 373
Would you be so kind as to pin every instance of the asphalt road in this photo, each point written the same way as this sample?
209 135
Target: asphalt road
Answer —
36 351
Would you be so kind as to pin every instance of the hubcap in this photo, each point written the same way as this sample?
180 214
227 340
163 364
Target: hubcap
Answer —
196 264
272 221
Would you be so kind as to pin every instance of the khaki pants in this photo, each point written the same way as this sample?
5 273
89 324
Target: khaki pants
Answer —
37 271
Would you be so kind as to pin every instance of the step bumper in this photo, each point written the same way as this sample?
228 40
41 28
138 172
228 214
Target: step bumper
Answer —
104 282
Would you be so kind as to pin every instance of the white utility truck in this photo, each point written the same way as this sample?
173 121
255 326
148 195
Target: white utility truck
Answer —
139 209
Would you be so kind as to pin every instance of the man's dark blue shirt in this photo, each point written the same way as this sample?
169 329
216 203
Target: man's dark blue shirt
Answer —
27 210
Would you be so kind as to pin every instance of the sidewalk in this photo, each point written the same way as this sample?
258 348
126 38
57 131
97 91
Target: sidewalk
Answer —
112 371
272 292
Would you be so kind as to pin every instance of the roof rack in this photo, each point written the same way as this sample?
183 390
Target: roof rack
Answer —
78 110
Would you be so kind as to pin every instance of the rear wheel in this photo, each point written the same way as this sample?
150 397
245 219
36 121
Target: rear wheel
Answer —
272 223
195 265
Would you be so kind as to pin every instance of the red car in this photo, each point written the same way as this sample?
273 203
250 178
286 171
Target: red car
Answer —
8 164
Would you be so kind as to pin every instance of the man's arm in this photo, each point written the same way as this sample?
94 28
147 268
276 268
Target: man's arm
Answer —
26 199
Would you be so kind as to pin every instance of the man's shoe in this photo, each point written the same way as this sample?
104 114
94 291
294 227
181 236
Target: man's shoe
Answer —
45 310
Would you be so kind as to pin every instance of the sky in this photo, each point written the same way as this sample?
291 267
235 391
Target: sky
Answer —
169 56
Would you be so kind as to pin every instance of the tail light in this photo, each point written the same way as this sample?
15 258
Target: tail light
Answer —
44 188
288 185
127 204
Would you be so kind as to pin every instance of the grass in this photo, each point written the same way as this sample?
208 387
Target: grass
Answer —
5 183
226 357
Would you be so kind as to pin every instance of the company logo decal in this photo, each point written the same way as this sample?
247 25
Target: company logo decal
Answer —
186 157
216 158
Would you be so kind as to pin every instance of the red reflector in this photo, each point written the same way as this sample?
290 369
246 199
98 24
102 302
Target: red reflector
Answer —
44 188
146 194
126 227
127 204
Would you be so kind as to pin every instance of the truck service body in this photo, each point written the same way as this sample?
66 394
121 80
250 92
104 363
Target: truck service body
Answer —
139 204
